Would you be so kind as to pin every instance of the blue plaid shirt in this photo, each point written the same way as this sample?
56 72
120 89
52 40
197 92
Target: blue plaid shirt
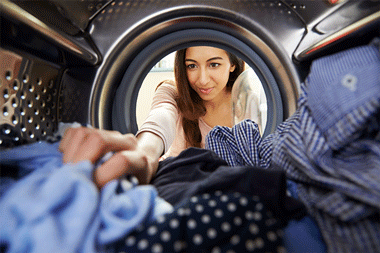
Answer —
329 146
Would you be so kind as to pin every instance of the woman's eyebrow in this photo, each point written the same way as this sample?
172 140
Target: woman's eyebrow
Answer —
211 59
215 58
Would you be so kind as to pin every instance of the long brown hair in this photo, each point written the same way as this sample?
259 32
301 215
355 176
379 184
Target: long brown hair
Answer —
190 104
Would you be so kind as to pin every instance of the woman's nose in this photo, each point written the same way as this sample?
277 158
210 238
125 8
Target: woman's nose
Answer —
204 77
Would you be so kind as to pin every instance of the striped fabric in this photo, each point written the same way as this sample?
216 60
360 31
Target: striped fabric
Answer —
330 147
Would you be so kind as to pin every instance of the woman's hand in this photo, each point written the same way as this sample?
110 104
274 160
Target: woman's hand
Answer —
131 155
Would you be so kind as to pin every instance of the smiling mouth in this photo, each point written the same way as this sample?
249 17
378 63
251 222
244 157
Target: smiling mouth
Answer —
206 91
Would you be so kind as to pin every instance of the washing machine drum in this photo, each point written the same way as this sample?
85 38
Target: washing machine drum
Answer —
144 35
125 40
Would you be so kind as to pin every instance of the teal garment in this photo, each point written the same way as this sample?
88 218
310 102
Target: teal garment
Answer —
54 207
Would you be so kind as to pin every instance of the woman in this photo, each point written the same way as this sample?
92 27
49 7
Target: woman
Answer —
201 100
182 116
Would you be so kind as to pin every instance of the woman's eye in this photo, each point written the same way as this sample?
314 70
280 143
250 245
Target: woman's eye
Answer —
214 65
191 66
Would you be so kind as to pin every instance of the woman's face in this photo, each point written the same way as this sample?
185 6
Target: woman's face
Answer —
208 70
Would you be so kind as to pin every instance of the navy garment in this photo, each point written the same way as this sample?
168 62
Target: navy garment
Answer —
196 171
329 147
176 175
210 222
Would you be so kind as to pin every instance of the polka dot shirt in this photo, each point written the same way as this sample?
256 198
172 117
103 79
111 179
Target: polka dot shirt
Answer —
211 222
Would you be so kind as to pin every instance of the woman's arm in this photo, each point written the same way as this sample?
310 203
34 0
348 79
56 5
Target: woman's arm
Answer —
133 155
163 115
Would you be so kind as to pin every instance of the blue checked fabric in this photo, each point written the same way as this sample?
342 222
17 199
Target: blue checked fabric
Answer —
329 146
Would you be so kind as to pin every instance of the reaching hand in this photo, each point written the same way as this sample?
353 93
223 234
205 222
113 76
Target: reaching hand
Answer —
79 144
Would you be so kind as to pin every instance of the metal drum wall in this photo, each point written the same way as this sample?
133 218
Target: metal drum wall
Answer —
29 96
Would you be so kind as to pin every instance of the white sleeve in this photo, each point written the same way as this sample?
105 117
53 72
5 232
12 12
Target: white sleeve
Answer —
163 116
